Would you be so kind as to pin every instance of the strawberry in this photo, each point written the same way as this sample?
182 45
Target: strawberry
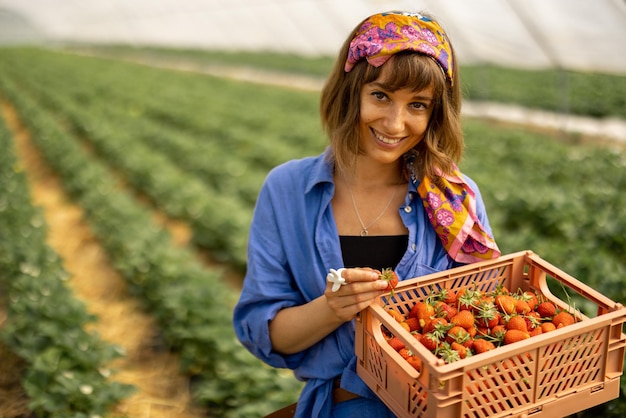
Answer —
463 318
423 311
448 354
517 322
457 334
447 296
467 298
522 307
390 277
460 348
506 304
437 326
531 299
429 341
536 331
405 353
445 310
482 346
415 362
396 344
487 314
562 319
515 335
546 309
414 324
547 327
533 320
406 326
395 314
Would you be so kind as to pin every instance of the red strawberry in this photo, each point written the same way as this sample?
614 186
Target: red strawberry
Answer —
423 311
396 343
562 319
531 299
445 310
522 307
413 323
430 341
439 325
482 346
457 334
546 309
405 353
461 349
415 362
515 335
506 304
390 277
463 318
517 322
395 314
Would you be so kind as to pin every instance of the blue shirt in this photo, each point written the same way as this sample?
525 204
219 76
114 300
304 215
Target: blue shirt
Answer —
292 245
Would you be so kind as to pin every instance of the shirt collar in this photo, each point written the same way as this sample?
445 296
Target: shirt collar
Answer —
322 171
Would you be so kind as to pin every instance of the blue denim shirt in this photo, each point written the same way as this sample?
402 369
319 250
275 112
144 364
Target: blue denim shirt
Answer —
292 245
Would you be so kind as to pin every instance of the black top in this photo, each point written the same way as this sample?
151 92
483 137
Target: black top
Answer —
377 252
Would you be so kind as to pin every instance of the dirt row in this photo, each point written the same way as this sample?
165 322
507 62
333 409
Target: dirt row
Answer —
162 391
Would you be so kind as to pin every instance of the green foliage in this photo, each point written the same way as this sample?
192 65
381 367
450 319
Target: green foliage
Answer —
576 92
189 301
589 94
65 366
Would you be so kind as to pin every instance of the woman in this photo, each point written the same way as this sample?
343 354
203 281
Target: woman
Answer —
386 193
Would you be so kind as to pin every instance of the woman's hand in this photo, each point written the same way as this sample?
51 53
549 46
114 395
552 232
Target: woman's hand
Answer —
362 286
297 328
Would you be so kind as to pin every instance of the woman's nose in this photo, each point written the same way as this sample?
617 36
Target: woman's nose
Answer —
395 119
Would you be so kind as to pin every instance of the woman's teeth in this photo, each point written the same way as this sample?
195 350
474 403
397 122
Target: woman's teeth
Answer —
385 139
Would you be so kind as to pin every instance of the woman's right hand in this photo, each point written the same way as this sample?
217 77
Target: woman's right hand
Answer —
362 286
299 327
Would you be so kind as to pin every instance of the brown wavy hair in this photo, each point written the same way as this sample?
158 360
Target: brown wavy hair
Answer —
443 142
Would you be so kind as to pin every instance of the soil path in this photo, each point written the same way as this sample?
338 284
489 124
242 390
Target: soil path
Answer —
162 391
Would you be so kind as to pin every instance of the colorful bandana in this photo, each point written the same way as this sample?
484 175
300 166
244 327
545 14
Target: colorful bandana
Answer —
385 34
452 212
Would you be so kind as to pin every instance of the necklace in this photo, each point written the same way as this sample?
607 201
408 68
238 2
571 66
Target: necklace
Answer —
364 228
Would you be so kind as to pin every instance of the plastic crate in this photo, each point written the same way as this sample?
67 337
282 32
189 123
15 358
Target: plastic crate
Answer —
550 375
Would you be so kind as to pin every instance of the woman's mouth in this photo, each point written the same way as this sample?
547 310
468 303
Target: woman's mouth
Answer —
386 140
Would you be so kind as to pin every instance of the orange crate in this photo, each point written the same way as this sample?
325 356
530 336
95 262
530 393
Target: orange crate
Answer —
550 375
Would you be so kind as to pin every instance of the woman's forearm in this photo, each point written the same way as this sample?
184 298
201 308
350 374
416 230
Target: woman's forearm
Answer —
298 328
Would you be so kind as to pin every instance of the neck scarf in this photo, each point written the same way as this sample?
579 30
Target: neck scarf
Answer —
452 212
382 35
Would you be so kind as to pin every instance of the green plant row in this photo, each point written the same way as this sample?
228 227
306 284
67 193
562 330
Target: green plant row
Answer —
576 92
67 368
208 183
190 302
219 220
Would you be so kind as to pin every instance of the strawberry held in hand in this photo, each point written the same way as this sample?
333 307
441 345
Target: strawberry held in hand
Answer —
390 277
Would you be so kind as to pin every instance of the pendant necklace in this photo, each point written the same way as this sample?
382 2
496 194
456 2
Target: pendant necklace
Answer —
364 228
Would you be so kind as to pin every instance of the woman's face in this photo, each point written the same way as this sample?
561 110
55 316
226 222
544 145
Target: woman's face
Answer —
392 122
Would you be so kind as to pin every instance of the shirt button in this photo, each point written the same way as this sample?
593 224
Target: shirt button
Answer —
408 209
413 247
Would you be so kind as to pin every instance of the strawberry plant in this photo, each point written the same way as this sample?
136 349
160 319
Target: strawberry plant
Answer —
66 368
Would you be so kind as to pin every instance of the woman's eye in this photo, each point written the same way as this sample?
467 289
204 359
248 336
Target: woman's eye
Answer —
418 105
379 95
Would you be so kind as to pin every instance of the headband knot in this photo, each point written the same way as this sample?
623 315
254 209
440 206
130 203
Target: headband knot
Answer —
385 34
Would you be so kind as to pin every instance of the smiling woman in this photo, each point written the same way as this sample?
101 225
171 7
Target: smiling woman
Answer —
385 195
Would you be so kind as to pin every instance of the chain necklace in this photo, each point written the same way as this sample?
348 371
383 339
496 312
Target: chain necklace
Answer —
364 228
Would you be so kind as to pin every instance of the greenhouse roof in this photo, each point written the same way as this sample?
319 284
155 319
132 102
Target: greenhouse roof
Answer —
573 34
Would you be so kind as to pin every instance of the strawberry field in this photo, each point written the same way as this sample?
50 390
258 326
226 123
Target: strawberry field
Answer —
132 144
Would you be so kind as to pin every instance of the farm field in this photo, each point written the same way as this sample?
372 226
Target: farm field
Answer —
130 190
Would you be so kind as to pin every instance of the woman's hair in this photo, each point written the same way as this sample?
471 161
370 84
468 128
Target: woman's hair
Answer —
442 144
